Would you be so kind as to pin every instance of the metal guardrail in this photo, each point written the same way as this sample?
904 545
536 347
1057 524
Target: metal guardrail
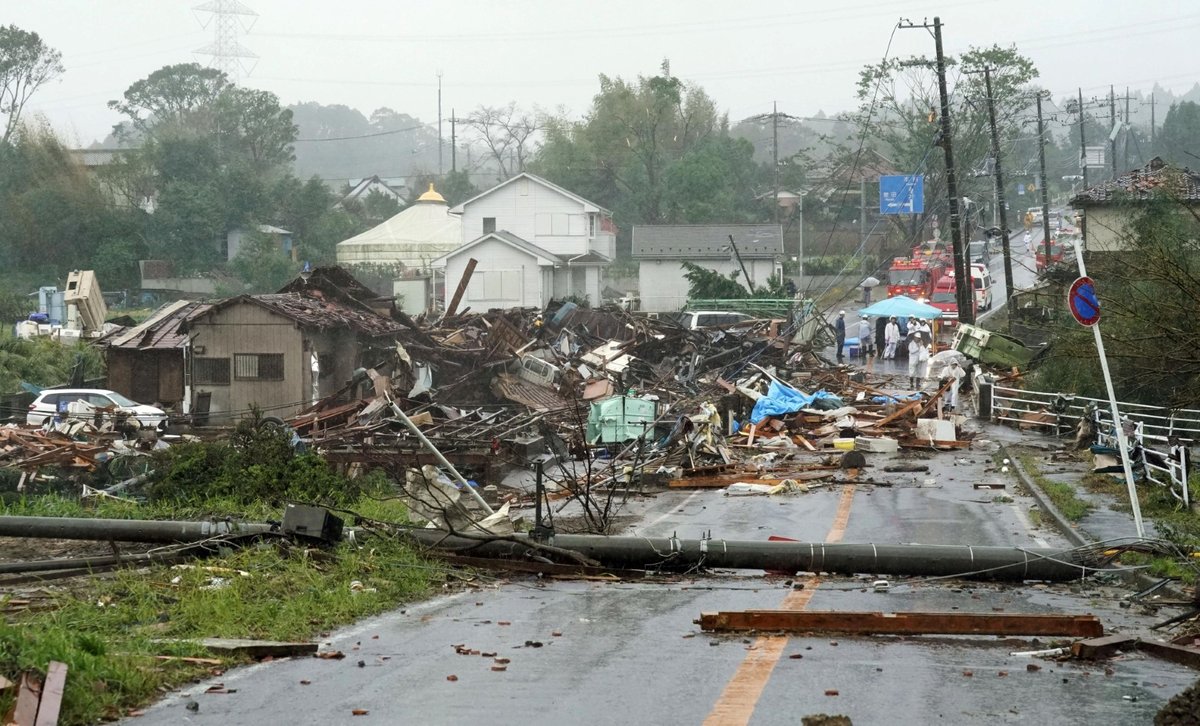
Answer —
1161 439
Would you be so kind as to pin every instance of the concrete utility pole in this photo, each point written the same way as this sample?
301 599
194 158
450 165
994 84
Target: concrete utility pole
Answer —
439 76
964 291
1042 179
1082 141
862 215
1112 135
1128 128
1008 274
1153 150
775 153
453 142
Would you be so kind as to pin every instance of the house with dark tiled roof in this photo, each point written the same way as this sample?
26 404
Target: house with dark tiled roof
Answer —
1107 208
283 351
660 250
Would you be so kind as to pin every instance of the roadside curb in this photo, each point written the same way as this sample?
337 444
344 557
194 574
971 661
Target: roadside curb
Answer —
1079 537
1060 522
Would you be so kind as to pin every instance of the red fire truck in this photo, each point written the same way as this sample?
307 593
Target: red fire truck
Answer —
915 277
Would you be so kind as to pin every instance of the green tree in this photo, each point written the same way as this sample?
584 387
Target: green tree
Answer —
252 125
378 207
261 265
171 95
643 140
213 157
1179 139
899 112
713 183
55 216
26 64
1150 301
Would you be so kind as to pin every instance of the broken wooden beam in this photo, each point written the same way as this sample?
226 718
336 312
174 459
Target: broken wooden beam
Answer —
1181 654
24 711
52 694
252 648
1097 648
869 623
1107 647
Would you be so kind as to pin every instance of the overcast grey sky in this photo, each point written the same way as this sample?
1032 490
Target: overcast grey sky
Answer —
805 55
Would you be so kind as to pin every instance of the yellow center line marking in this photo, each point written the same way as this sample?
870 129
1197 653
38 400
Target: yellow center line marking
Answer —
741 694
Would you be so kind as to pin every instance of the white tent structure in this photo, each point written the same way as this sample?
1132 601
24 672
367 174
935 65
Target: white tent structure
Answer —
422 232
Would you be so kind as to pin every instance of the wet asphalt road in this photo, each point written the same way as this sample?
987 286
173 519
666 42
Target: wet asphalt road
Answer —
629 652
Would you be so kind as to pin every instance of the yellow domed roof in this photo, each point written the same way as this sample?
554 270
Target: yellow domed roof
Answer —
431 196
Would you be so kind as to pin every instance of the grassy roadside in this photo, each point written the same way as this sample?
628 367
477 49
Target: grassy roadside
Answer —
1175 524
106 629
112 628
1061 494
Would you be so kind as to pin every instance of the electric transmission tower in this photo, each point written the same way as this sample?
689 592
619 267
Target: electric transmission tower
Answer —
229 18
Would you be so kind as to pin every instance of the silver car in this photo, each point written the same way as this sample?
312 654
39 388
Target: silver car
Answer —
52 402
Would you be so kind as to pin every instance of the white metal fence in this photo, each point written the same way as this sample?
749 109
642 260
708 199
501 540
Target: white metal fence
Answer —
1160 439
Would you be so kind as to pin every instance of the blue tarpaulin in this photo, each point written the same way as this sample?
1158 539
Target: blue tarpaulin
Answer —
897 398
782 400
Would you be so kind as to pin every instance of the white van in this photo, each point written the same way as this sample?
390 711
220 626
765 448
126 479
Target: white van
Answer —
982 279
693 319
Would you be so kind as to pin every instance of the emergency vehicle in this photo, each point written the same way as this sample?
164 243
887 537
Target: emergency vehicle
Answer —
914 278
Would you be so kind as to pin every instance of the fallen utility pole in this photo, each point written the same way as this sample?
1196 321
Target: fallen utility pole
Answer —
125 530
1012 564
671 553
441 459
860 623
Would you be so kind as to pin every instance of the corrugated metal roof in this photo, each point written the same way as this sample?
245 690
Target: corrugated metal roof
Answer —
519 390
707 241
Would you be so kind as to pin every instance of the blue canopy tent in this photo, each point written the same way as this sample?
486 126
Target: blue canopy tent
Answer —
902 307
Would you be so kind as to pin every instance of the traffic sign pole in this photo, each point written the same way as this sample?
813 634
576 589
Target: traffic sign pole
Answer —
1122 442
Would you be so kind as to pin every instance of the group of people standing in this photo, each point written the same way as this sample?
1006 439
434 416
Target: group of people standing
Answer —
882 339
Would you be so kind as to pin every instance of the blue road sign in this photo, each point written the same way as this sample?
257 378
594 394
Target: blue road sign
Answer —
1082 300
904 194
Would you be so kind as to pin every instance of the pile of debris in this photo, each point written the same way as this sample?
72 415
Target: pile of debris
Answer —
641 397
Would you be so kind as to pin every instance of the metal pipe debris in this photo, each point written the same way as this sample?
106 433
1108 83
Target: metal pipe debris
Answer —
123 530
671 553
416 431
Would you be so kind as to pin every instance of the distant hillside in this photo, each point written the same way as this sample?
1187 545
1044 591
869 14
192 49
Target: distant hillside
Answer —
339 143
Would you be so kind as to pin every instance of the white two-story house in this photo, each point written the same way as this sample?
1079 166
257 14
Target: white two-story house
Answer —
532 241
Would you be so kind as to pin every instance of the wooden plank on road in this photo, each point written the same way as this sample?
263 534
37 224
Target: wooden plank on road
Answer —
25 710
868 623
1180 654
52 694
1096 648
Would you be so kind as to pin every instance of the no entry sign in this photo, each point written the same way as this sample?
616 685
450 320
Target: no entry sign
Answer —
1083 302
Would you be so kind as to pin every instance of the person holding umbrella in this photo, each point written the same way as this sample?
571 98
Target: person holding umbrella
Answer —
867 284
